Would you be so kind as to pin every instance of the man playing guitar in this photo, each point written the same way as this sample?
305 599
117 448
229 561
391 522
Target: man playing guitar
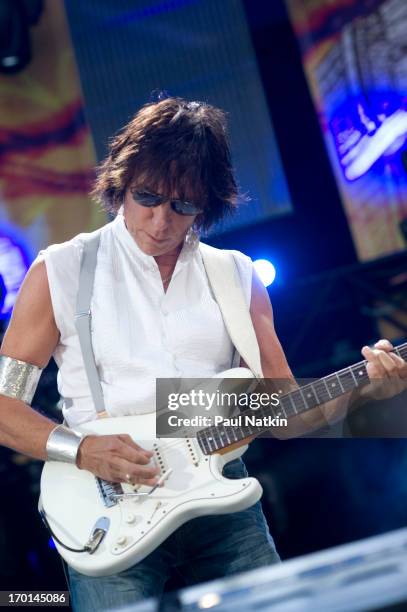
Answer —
168 174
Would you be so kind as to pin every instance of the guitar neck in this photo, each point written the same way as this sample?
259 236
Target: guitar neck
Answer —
215 438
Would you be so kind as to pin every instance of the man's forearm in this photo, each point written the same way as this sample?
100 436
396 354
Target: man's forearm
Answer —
23 429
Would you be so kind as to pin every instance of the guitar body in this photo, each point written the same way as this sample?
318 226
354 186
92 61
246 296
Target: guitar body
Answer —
75 502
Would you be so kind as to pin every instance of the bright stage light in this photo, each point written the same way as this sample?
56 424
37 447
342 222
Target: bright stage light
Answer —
265 270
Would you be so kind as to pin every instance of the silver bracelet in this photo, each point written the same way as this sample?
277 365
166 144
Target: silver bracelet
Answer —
18 379
63 444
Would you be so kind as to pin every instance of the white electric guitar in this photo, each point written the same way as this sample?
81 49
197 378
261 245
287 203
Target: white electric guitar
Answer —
101 528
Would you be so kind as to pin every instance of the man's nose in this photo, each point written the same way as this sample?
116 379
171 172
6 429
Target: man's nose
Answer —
162 216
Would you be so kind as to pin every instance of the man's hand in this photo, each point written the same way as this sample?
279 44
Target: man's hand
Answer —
114 457
387 371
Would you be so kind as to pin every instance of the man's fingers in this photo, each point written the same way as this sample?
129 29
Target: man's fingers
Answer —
132 451
120 476
384 345
388 364
150 481
137 471
129 440
374 367
383 363
401 365
132 455
387 370
380 363
375 372
142 471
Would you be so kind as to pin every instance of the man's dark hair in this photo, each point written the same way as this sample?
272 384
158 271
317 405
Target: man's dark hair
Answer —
172 147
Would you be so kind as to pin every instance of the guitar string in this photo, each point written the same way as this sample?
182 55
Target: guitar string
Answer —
181 441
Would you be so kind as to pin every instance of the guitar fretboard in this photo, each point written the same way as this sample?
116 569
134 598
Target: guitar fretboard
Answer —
298 401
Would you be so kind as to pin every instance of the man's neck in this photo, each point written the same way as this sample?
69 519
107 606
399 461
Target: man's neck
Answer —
170 258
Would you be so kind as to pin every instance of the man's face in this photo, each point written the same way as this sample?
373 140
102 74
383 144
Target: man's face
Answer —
157 230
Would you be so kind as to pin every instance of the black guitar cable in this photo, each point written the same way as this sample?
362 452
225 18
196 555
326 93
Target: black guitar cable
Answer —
48 526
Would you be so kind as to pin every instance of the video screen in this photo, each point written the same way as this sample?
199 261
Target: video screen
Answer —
355 58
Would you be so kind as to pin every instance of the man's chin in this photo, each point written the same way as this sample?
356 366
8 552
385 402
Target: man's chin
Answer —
154 250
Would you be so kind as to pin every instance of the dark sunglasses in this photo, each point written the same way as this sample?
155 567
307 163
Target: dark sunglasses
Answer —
150 200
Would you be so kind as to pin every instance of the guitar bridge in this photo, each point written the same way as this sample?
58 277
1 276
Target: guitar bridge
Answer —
107 490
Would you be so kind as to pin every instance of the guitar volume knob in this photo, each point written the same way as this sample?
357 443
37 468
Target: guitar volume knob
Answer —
121 540
130 518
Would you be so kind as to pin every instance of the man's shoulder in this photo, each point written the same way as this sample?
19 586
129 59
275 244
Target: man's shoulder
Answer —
238 256
74 246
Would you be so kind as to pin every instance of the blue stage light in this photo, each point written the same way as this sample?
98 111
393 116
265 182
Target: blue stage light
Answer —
15 259
265 270
51 543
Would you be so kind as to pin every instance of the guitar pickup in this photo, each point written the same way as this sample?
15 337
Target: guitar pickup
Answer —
158 458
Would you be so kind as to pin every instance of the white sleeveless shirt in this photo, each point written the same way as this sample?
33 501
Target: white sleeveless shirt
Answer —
139 332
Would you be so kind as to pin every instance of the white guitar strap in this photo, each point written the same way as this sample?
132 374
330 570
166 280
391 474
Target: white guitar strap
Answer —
223 275
224 280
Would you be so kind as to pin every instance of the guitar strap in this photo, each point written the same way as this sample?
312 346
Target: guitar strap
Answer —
225 283
224 279
83 317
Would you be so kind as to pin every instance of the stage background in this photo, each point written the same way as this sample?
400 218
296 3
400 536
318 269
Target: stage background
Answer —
354 56
198 50
46 152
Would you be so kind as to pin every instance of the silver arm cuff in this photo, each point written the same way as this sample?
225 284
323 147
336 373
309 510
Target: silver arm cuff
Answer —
18 379
63 444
